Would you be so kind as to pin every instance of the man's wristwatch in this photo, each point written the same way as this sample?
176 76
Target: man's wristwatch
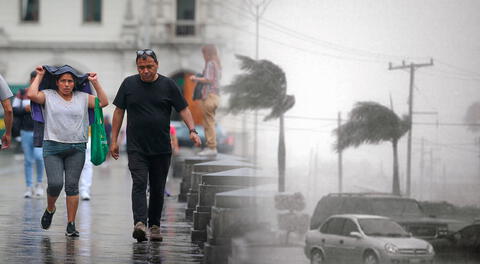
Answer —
193 131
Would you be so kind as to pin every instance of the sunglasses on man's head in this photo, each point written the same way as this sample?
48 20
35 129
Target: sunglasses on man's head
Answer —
147 52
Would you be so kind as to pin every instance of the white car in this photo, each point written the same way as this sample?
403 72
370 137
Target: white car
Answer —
352 238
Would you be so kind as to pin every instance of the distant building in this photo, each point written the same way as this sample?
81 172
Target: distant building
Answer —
103 35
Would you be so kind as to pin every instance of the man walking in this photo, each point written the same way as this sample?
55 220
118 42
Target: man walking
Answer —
148 97
5 95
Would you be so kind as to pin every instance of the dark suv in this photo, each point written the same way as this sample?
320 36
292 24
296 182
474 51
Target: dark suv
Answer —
405 211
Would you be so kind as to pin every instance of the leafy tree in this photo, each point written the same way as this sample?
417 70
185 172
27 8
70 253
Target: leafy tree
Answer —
372 123
262 85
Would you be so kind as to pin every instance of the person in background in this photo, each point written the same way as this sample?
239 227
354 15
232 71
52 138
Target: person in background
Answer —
108 128
66 118
212 74
87 173
32 154
5 94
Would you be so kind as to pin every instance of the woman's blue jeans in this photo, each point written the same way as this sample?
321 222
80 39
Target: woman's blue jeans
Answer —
31 155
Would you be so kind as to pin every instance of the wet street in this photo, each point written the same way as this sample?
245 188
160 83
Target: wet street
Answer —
105 223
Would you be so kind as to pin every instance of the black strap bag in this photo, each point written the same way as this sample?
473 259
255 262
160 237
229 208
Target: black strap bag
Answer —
17 121
198 91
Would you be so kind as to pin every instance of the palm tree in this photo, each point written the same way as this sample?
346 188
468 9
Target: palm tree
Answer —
372 123
263 85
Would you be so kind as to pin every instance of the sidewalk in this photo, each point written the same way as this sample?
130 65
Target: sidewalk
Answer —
105 223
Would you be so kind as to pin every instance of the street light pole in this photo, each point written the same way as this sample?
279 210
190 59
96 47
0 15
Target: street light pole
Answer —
340 156
259 10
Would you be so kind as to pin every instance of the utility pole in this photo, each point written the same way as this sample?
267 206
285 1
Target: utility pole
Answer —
431 174
259 8
444 186
340 158
422 156
412 67
422 169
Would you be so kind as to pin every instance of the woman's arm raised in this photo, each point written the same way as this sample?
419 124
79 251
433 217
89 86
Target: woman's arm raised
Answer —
33 93
93 78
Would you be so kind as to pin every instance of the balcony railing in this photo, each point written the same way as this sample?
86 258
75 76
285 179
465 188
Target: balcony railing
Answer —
185 30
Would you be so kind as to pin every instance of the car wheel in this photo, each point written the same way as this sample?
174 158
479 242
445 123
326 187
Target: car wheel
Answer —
370 258
317 257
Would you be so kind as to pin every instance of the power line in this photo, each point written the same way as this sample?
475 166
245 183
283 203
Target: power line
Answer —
295 47
446 124
381 57
453 74
460 69
449 76
298 48
454 147
426 98
331 119
374 56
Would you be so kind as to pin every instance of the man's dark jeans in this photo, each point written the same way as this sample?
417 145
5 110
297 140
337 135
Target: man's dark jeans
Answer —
150 170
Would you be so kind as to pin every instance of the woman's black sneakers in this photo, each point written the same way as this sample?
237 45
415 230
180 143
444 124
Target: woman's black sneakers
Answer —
71 231
47 218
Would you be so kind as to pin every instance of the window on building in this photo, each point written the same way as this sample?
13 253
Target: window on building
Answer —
185 18
92 11
29 10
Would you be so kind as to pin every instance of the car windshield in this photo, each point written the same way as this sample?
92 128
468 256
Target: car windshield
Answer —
381 227
393 207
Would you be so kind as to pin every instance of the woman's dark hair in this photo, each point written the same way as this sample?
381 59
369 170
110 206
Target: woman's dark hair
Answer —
33 74
75 80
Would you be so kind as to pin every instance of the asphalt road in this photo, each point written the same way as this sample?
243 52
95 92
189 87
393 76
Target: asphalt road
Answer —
105 223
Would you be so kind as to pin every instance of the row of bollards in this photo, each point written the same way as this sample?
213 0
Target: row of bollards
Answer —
223 195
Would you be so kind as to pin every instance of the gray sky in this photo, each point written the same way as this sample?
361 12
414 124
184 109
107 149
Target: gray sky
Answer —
336 52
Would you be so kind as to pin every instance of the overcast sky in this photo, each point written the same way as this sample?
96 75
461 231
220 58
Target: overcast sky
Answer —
336 52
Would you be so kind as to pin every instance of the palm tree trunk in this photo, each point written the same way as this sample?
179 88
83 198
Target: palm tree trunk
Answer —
396 180
281 156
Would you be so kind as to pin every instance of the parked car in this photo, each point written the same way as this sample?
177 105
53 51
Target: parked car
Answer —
406 211
225 142
462 246
356 238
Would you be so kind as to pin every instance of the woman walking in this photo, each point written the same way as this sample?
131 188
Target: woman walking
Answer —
65 111
212 74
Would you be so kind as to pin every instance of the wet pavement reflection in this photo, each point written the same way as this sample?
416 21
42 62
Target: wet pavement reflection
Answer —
105 223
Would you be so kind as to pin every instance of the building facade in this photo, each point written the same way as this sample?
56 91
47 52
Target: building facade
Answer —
103 35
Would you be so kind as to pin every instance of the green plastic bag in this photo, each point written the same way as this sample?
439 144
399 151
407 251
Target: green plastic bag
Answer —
99 145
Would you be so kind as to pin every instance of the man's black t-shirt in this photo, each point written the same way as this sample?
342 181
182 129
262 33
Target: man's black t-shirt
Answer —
148 107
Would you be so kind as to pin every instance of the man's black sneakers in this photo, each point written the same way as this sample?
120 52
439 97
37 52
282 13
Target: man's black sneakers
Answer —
71 231
47 218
